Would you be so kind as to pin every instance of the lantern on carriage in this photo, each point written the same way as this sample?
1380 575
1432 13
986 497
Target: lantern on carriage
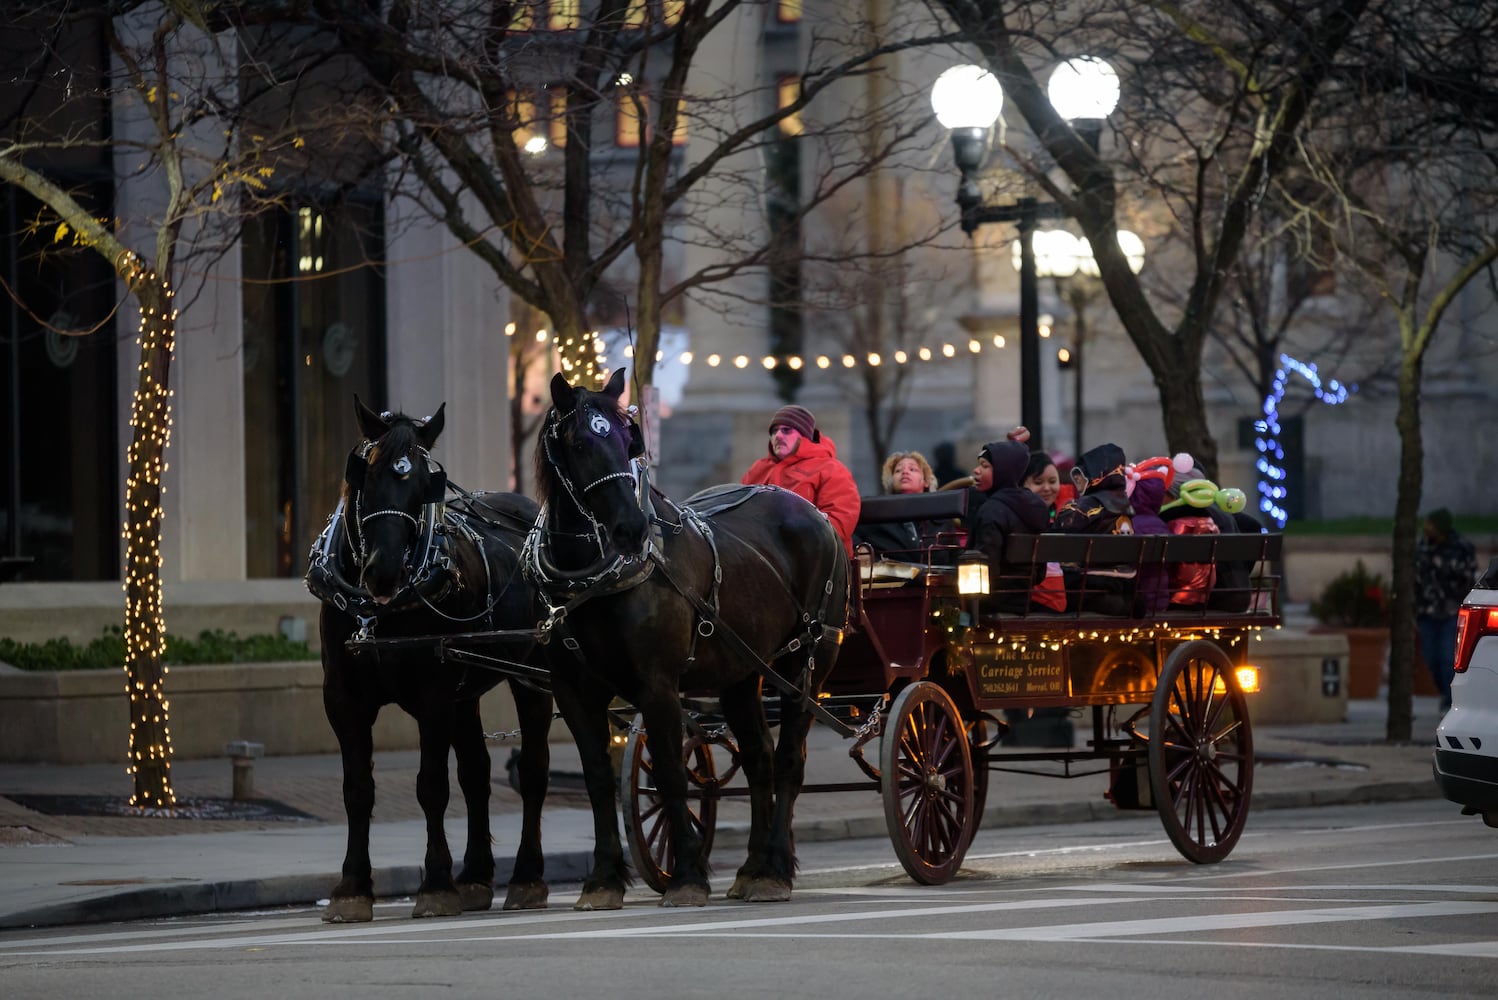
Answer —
972 574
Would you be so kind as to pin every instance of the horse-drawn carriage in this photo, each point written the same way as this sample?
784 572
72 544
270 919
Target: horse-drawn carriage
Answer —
927 671
702 616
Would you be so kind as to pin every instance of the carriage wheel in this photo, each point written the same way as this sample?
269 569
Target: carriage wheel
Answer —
928 783
1201 752
645 826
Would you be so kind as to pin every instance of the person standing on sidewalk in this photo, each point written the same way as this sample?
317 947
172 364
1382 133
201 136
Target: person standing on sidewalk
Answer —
804 460
1445 568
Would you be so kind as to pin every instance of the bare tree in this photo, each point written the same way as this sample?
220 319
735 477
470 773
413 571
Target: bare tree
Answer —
554 143
1214 98
1408 182
170 73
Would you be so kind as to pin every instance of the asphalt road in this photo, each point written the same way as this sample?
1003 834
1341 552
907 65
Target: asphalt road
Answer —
1367 901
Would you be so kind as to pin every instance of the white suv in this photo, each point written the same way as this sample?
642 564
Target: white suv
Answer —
1466 762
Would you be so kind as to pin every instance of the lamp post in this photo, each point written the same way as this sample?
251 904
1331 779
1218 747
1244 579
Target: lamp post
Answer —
1068 261
968 100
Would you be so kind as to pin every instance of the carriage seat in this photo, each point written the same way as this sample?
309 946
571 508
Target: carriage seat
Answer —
1098 552
893 508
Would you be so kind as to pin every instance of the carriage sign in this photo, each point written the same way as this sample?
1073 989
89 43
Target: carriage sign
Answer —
1031 671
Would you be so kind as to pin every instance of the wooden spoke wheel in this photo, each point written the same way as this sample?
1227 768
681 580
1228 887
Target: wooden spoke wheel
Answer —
1201 752
928 783
645 826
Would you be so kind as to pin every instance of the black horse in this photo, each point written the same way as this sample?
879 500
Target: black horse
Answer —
396 560
741 585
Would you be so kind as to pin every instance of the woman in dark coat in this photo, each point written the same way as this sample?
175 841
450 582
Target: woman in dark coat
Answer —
1008 508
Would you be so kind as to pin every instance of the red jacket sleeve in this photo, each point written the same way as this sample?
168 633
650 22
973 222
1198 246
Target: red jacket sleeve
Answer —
838 499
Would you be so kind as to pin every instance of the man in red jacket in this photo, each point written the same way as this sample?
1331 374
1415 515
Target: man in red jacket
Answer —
804 461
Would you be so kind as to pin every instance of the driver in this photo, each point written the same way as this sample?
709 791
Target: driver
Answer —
804 460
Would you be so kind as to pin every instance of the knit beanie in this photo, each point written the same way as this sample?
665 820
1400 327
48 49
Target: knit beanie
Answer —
797 417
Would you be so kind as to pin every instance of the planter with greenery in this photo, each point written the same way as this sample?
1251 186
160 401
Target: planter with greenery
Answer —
214 646
1356 603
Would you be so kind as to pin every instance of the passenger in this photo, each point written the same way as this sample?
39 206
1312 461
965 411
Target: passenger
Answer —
1150 479
908 472
804 461
1042 479
1101 507
1198 507
1008 508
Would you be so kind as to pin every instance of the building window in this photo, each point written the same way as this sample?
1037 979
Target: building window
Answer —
788 11
787 92
314 334
59 424
564 15
632 125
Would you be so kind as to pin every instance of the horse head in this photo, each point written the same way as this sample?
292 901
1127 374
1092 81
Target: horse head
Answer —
587 444
392 487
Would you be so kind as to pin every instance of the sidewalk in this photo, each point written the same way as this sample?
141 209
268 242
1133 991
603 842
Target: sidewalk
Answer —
70 869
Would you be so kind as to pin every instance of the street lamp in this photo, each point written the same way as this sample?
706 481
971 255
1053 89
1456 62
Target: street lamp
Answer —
1063 257
967 100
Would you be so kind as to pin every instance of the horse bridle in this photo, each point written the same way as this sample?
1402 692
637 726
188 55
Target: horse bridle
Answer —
637 473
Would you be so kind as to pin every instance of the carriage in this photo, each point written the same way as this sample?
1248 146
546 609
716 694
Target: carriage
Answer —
926 676
709 618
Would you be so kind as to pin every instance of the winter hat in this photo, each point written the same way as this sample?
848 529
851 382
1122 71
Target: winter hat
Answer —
797 417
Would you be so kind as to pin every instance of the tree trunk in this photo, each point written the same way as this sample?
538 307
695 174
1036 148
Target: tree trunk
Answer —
145 627
1406 515
1184 411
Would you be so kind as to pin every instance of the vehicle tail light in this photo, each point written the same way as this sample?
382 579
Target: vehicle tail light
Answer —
1472 623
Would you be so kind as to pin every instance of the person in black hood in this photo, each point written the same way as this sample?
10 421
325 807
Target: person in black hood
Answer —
1101 507
1008 508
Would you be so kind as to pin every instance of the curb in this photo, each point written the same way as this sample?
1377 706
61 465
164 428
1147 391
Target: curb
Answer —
157 902
573 866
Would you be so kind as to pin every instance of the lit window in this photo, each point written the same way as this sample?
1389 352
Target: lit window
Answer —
629 128
788 11
523 18
558 124
672 10
564 15
637 15
787 91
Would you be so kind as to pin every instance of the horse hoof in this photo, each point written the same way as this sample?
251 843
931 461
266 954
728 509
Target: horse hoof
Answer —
766 890
526 896
349 910
685 895
600 899
446 903
736 891
475 896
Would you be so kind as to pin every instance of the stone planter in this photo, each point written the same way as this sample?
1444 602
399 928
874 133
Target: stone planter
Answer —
82 716
1367 655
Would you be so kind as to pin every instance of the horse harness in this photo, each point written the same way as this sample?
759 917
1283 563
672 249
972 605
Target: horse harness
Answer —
432 572
620 573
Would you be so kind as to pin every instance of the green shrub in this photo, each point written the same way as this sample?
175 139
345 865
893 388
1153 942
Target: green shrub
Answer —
212 646
1354 599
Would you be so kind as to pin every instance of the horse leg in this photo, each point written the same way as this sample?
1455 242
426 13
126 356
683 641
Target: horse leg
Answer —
585 710
475 881
528 889
352 899
745 714
689 885
437 895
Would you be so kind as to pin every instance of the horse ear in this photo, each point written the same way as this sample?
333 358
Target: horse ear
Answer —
427 432
353 472
370 424
615 387
437 488
562 394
